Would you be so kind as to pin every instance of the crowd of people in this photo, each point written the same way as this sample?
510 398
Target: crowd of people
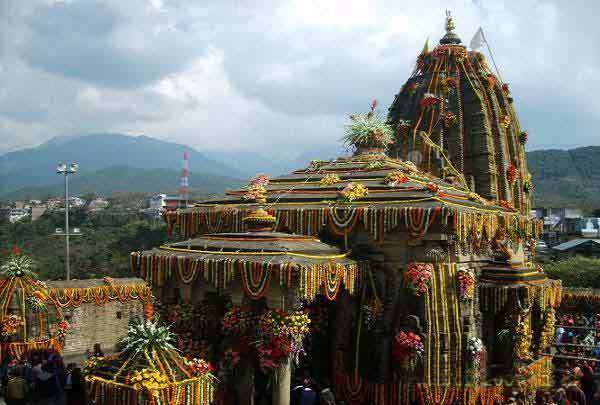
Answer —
42 378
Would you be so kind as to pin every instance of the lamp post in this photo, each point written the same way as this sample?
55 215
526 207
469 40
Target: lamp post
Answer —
66 169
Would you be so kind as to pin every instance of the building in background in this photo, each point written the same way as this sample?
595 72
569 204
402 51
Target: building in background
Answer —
17 214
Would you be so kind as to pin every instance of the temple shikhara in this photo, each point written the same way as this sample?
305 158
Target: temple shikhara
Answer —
402 274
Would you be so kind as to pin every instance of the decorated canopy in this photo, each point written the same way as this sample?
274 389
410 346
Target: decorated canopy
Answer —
368 190
24 317
149 371
454 115
259 258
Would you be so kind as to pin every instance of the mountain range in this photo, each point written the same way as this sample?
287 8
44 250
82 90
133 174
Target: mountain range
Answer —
111 163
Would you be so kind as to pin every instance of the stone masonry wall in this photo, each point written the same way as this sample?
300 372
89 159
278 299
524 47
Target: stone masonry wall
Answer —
92 324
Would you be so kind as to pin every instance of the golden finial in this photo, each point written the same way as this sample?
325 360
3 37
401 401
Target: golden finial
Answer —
449 22
450 38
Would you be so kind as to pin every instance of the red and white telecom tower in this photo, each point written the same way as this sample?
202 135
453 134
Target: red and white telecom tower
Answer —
184 191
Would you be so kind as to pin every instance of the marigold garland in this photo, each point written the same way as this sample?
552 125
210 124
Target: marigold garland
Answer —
330 179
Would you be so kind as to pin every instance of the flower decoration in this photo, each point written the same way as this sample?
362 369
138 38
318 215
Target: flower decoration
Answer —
491 80
449 119
548 330
413 87
200 367
476 198
147 335
429 100
35 304
506 88
528 186
237 321
418 276
368 130
372 312
451 82
505 121
18 265
465 282
256 189
512 173
408 349
62 328
523 335
475 353
395 178
523 137
354 191
434 188
11 324
152 381
403 127
330 179
508 205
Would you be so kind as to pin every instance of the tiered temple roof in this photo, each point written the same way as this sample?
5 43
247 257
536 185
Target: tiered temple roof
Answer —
398 194
455 116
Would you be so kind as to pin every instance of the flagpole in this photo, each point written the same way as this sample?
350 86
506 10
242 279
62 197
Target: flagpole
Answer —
487 44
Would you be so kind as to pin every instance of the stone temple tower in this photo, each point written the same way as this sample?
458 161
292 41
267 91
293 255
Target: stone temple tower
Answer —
455 118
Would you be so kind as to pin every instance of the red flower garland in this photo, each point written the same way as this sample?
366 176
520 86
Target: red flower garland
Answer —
465 283
429 99
512 173
418 276
408 347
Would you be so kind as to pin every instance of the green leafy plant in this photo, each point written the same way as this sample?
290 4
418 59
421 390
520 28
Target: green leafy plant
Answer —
370 129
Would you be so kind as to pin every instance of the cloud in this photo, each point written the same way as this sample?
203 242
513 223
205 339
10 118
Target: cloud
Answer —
273 76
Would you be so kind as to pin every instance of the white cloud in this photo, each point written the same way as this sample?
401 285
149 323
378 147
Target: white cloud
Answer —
259 75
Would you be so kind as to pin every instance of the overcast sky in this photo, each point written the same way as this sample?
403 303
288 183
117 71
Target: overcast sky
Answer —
269 75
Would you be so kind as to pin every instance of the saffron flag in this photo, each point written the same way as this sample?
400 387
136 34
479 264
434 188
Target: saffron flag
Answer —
478 40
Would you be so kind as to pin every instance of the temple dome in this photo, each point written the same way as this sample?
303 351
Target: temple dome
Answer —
454 116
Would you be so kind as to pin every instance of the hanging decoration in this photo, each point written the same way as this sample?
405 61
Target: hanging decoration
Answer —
449 119
512 173
429 100
408 350
99 295
395 178
418 277
548 334
268 339
465 281
475 352
313 276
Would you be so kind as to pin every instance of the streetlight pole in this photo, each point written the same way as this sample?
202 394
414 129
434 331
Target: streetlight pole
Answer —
66 169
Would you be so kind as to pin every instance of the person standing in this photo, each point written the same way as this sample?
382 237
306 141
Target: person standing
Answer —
76 393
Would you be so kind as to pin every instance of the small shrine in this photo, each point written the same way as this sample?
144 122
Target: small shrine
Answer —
149 370
66 316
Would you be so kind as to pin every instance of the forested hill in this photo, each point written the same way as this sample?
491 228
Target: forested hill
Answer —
569 178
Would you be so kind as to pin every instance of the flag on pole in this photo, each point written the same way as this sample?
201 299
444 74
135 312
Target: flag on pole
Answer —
478 40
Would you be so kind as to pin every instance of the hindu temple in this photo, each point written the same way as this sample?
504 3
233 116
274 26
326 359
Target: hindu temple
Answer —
403 273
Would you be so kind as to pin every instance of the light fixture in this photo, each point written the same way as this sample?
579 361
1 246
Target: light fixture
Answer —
58 230
61 167
74 167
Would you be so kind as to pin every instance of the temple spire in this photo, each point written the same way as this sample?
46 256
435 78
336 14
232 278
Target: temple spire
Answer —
425 47
450 38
